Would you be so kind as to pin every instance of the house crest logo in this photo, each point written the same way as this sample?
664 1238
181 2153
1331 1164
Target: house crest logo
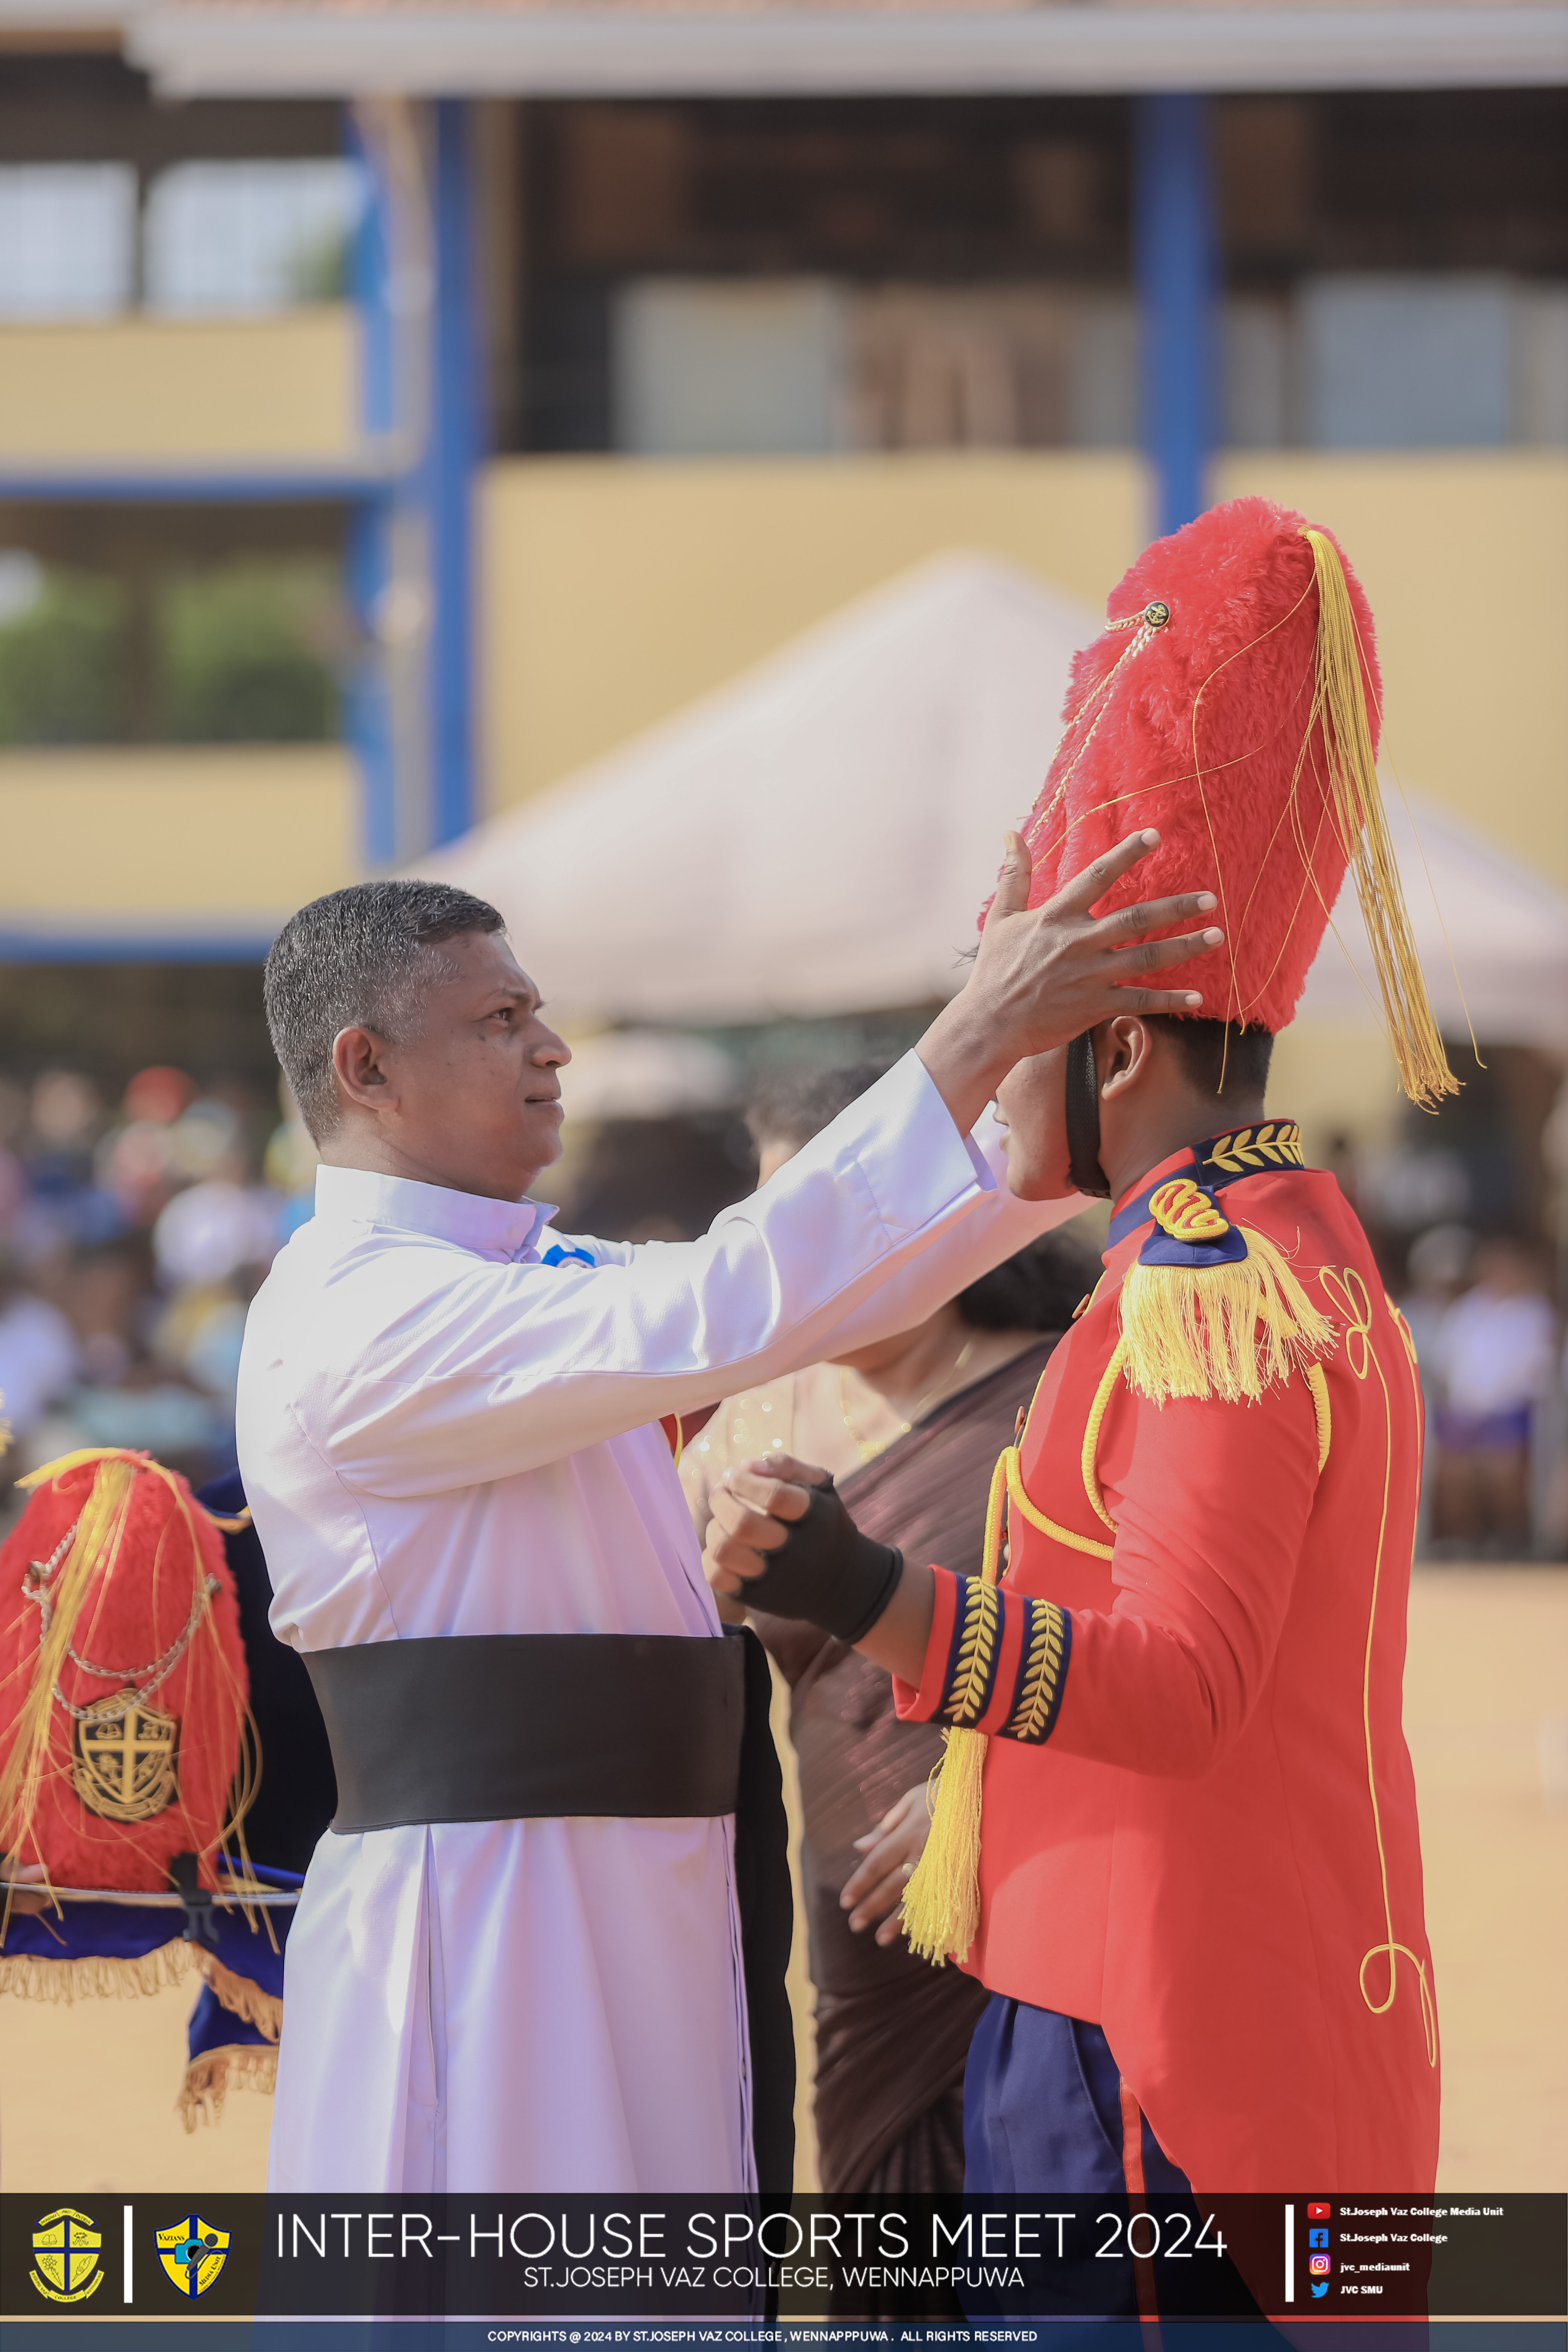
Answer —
123 1764
66 2247
192 2252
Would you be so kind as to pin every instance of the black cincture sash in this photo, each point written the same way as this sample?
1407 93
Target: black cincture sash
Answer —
504 1726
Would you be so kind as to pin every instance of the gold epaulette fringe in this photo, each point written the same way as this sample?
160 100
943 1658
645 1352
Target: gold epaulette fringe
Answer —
239 2065
1228 1331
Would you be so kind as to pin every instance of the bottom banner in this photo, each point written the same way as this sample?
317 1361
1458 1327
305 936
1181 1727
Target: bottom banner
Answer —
1105 2336
646 2271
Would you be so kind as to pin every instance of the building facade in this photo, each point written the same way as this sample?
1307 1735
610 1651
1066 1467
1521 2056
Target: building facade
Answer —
402 405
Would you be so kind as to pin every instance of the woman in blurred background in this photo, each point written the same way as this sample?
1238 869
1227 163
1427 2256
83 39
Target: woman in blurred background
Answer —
1495 1361
910 1429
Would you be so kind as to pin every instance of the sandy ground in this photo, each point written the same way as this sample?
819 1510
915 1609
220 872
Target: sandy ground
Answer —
1485 1714
87 2094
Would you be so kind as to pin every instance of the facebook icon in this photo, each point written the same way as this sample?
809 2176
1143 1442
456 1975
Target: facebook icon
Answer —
1317 2237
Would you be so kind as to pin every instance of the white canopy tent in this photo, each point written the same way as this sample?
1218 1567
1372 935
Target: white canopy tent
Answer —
818 836
815 837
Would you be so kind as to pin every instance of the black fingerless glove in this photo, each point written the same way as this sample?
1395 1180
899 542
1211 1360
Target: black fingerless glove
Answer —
826 1572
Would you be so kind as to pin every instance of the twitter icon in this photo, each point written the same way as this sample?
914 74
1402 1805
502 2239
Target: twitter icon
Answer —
1320 2286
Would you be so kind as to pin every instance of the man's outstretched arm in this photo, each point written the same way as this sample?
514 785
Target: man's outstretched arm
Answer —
525 1363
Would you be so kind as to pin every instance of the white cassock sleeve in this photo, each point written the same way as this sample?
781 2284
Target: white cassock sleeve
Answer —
429 1377
957 1256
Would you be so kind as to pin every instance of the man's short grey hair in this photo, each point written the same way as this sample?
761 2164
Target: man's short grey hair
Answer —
365 958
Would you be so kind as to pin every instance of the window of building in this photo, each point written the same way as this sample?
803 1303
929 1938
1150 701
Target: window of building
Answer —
774 366
1396 269
62 653
114 636
248 236
67 240
730 367
110 197
760 277
1405 363
1386 360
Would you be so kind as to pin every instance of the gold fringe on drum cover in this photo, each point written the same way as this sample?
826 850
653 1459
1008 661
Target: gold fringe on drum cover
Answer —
97 1978
241 2066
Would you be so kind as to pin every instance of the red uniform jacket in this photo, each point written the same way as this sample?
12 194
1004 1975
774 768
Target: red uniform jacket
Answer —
1207 1841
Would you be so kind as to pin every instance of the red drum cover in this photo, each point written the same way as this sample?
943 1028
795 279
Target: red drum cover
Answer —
116 1599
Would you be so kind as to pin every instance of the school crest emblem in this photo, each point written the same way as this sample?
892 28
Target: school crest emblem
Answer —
192 2252
66 2247
123 1764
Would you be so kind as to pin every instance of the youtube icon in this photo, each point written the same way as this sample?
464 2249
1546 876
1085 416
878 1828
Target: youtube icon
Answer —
1317 2212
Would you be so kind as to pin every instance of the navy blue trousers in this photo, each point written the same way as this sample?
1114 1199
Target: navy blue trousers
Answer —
1046 2113
1043 2109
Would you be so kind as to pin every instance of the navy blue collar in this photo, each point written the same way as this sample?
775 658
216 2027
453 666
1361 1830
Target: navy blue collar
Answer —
1218 1161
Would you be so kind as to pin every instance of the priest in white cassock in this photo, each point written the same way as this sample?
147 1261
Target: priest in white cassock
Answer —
516 1963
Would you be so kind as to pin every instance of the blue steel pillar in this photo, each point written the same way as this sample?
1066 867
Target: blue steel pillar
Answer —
1176 268
451 463
409 707
367 703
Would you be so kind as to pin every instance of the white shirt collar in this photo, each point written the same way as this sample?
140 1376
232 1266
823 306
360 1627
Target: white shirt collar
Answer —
498 1229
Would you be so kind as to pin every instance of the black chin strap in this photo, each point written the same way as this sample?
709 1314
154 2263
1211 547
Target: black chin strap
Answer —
1083 1120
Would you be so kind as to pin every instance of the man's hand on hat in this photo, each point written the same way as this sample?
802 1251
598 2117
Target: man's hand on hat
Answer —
781 1540
1044 974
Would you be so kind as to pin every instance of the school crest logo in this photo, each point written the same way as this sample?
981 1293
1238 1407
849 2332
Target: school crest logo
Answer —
66 2247
192 2252
123 1768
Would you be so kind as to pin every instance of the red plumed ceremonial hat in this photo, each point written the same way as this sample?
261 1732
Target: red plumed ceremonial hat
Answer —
123 1691
1234 703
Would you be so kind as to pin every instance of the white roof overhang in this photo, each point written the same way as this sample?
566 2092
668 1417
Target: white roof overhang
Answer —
630 52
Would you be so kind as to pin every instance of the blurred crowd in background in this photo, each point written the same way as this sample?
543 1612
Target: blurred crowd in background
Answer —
136 1224
133 1235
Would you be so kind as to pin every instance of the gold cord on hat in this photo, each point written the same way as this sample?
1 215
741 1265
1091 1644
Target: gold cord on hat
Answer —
1147 622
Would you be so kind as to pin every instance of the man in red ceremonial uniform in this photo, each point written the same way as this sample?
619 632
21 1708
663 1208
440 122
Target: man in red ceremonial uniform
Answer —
1176 1833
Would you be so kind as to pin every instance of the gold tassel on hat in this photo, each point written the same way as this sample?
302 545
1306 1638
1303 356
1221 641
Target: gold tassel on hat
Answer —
1339 707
